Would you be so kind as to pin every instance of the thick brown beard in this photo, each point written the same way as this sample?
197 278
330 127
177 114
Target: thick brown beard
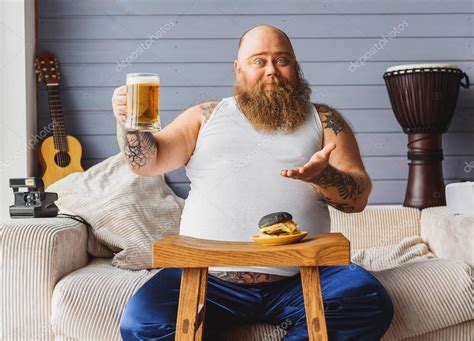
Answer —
284 107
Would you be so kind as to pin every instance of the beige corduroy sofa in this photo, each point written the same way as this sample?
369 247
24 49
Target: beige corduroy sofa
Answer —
52 289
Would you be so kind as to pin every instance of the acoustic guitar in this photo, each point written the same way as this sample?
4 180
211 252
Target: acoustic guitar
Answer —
60 154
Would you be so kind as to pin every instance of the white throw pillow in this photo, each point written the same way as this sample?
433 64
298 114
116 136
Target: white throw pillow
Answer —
127 212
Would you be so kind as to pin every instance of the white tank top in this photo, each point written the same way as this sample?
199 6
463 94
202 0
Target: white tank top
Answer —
235 179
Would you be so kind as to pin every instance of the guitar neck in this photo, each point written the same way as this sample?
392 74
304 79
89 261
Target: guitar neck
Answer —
56 112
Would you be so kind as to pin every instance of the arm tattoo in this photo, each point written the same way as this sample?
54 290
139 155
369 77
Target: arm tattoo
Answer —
348 186
246 277
333 120
207 109
340 206
138 149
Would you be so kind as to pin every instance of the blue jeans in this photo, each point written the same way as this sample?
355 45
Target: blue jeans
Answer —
356 305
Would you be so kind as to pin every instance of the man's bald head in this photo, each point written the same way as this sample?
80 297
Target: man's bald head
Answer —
269 27
260 33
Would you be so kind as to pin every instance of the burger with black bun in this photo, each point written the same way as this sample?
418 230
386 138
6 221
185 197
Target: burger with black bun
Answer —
277 224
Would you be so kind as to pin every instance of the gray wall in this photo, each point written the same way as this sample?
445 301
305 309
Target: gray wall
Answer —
196 46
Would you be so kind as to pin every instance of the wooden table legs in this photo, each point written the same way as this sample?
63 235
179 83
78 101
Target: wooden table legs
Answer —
192 304
313 303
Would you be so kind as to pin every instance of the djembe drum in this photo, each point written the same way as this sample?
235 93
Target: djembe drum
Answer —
423 98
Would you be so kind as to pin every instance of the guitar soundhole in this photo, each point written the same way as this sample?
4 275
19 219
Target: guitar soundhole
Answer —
62 159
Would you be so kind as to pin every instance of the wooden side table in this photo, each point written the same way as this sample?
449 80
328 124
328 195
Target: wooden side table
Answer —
196 255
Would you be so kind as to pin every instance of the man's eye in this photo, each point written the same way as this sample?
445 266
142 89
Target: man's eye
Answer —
282 61
258 61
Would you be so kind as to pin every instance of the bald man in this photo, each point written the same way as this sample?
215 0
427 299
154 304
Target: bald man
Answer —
265 149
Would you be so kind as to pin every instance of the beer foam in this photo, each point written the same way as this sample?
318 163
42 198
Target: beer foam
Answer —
143 80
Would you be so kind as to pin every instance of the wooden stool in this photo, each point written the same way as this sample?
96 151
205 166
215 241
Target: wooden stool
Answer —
195 255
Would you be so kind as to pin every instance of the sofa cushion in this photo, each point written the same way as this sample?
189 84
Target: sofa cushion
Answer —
127 212
459 332
376 225
411 249
88 303
427 296
423 288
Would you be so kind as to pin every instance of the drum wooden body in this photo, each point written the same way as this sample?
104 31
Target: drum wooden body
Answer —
423 99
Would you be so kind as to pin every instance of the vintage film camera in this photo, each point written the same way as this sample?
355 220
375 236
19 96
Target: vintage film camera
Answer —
31 201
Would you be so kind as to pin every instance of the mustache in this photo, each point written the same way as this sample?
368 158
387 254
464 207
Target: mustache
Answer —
276 81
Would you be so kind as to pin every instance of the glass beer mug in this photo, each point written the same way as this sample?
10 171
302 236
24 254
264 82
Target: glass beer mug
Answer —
143 107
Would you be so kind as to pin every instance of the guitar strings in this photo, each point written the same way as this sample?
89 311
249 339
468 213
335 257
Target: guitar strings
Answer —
56 142
60 144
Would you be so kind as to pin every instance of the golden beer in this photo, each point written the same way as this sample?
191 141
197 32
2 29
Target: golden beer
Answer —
143 107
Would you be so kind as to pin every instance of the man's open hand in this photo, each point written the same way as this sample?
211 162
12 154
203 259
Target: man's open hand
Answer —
316 164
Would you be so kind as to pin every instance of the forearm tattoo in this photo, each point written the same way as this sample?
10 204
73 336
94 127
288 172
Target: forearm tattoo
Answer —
343 207
138 147
332 119
245 277
207 109
348 185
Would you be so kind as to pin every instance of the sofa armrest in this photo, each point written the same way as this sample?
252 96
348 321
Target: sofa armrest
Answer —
36 253
376 225
448 236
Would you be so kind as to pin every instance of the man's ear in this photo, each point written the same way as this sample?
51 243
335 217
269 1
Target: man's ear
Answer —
236 66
